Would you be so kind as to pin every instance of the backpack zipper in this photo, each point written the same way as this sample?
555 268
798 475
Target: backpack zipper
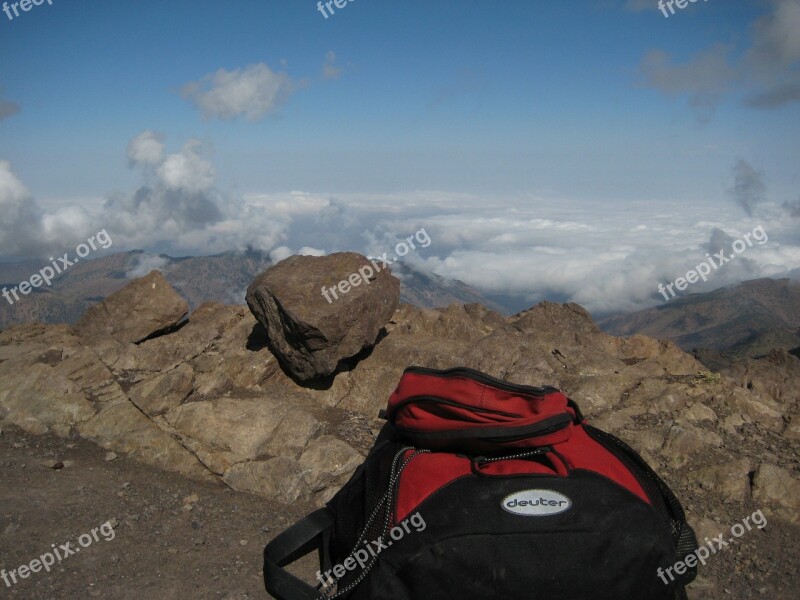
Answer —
484 460
476 375
438 400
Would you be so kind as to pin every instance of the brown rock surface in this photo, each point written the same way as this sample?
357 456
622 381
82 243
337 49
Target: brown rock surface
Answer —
142 308
310 334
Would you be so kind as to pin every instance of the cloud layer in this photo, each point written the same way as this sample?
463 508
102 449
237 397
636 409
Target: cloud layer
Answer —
607 258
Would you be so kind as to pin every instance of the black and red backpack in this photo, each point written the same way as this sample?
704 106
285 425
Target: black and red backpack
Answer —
478 488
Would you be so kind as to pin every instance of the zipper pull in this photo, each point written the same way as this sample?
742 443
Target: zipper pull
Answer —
535 452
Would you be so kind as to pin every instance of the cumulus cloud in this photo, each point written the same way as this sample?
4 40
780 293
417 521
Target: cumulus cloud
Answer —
177 208
147 148
252 92
178 197
20 215
766 71
27 231
330 70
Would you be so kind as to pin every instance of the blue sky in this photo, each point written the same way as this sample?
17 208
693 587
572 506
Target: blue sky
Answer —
577 112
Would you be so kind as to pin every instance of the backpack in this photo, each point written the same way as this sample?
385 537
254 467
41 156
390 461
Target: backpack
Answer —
479 488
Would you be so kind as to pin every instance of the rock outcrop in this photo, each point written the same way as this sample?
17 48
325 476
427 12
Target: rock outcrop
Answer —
210 400
320 311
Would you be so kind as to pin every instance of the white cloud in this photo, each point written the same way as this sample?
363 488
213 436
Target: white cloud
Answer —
251 92
309 251
186 170
177 209
608 257
147 148
20 216
146 263
280 253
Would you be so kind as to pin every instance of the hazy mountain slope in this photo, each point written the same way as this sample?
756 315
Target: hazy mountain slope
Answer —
744 320
222 277
430 290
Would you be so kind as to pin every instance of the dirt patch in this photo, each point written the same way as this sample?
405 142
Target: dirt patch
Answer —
160 548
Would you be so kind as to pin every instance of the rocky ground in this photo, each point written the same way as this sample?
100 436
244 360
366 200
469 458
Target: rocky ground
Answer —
220 399
174 537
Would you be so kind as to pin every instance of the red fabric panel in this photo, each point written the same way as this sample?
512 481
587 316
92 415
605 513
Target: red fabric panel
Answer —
496 407
517 467
582 452
555 460
424 475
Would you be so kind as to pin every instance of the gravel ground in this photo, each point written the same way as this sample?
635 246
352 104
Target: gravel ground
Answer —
172 538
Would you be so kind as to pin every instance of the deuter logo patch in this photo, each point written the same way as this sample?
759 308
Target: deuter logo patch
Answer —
536 503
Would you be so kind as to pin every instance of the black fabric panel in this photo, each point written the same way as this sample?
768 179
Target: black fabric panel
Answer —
607 546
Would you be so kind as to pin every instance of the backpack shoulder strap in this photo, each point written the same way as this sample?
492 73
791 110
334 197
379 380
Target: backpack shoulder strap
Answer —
310 533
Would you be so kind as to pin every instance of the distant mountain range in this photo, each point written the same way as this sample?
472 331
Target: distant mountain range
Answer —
745 320
222 277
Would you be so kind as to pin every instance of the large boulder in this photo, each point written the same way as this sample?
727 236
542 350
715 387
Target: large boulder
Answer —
144 307
320 311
